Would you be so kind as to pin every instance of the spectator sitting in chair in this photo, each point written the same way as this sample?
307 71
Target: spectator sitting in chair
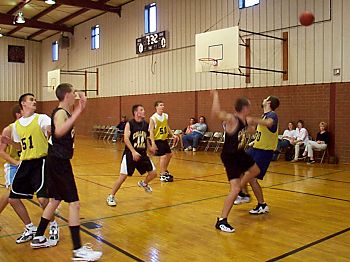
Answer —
119 132
302 139
288 137
185 131
322 140
191 140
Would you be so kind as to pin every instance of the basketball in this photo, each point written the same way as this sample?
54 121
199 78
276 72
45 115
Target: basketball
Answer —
306 18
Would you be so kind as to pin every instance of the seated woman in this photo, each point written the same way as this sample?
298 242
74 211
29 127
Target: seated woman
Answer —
186 131
288 137
191 140
301 139
322 140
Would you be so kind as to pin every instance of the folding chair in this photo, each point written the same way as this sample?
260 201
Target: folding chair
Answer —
322 154
204 141
212 144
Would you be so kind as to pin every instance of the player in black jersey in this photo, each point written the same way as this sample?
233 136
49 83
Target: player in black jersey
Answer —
61 183
233 156
135 153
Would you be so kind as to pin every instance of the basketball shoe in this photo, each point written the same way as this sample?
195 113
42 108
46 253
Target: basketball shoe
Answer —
27 235
224 226
260 209
86 253
145 186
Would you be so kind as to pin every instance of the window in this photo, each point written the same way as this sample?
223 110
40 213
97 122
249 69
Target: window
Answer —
248 3
95 37
151 18
54 51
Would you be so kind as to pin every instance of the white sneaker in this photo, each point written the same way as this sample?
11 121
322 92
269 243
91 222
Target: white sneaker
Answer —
86 253
42 241
194 149
260 209
54 233
188 148
145 186
111 201
241 200
27 235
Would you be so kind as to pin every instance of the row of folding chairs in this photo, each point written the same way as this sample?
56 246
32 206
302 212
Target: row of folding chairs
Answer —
103 132
210 141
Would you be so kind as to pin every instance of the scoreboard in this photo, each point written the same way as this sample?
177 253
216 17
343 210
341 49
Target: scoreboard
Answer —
151 42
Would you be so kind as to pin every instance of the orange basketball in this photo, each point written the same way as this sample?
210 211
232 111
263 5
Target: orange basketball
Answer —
306 18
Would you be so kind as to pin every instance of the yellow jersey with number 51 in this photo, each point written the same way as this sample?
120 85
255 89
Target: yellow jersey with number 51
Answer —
33 141
160 126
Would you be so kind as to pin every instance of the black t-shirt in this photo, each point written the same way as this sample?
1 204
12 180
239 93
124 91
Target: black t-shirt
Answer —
323 137
61 147
138 136
236 141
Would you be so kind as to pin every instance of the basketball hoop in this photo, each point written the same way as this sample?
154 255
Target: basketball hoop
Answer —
207 63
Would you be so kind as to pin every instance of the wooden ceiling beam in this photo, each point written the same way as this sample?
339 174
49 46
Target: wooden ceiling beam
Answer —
36 17
18 7
90 5
10 19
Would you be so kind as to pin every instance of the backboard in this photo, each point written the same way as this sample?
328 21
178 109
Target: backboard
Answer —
221 45
53 79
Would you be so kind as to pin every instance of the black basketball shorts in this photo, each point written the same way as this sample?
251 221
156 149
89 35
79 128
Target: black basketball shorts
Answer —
236 164
128 165
29 178
60 179
163 147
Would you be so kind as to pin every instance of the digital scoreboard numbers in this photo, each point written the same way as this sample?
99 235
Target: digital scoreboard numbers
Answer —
151 42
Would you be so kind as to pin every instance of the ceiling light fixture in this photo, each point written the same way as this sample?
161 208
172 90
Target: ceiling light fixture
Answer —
50 2
20 19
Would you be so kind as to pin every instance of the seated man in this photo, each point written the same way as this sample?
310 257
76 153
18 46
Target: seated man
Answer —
322 140
191 140
119 132
288 137
301 139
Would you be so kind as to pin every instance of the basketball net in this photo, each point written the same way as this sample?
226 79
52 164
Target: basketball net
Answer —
207 63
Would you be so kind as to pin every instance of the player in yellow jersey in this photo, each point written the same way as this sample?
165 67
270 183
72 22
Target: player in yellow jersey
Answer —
11 154
31 130
159 132
265 143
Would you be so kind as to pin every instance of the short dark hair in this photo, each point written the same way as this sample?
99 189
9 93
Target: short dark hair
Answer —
275 102
240 103
134 108
16 109
301 121
194 119
23 98
157 103
62 90
203 118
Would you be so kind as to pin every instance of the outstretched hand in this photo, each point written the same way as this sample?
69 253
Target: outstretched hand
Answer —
82 101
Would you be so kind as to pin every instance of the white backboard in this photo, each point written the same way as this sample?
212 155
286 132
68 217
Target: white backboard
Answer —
222 45
53 79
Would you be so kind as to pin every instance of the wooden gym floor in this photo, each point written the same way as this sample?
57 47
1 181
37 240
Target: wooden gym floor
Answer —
309 218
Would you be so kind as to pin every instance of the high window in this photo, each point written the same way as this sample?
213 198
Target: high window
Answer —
95 37
248 3
54 51
150 18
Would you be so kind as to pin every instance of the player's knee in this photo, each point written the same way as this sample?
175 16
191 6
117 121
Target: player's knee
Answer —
75 205
43 202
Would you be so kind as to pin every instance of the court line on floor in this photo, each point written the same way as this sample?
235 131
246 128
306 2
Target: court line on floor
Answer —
98 238
292 252
309 194
333 180
154 209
